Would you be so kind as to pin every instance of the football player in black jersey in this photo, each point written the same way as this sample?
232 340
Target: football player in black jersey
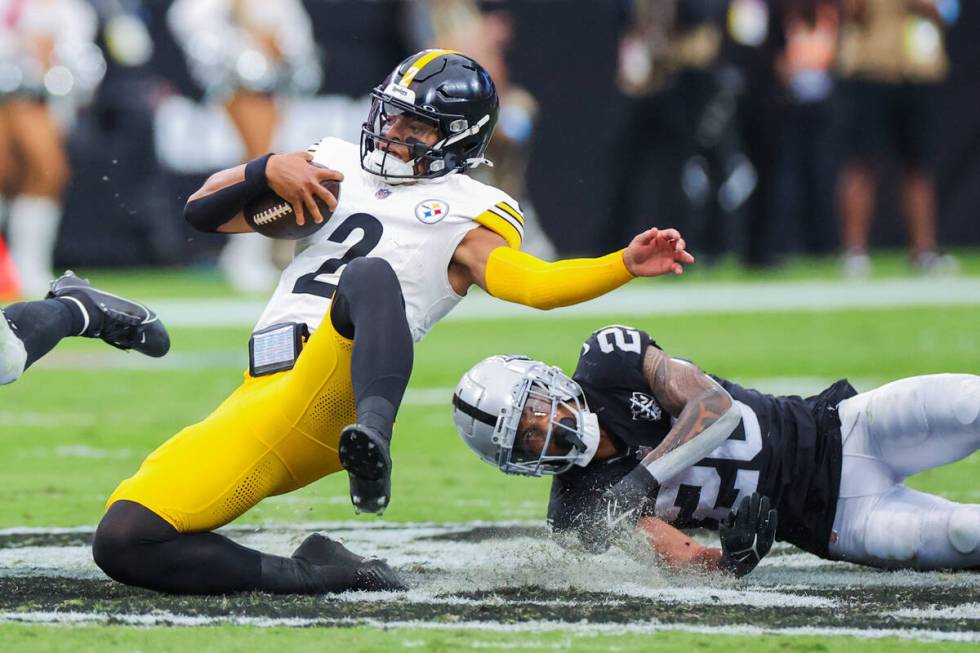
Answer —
73 307
637 439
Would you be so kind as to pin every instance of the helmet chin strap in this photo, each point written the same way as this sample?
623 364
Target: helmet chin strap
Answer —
586 440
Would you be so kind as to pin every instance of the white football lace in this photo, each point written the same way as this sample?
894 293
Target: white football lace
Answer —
273 213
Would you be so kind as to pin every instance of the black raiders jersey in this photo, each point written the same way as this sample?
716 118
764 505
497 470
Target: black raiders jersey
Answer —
787 448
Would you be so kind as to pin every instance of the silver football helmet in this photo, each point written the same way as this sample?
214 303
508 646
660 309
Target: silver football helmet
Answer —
492 396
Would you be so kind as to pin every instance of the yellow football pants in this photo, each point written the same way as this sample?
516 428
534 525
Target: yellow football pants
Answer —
274 434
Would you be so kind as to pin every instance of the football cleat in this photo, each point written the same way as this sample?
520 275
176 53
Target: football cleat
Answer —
319 549
118 321
374 575
364 454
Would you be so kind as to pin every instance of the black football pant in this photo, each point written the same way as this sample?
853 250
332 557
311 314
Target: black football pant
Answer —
42 324
369 309
135 546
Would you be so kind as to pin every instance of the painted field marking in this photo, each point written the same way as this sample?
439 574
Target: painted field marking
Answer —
170 619
646 299
456 568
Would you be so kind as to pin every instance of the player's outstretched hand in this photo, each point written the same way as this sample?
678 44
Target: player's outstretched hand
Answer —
655 252
617 511
747 534
292 178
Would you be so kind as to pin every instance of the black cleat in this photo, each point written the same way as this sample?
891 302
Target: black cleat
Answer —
318 549
374 575
364 454
116 320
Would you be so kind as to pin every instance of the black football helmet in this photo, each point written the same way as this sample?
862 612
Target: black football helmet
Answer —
446 89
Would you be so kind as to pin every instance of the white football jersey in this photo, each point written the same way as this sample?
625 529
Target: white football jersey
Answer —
414 227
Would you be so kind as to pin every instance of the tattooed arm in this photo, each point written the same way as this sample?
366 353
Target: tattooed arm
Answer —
705 415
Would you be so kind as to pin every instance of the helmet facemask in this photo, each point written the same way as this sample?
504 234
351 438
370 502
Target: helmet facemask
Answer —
572 427
458 147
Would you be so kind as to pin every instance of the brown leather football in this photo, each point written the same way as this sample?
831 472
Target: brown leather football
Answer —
272 216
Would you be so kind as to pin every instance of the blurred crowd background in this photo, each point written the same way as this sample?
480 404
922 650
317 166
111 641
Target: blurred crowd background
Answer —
763 129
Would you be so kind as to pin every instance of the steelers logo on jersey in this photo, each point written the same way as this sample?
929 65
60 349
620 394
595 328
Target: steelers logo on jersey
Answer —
431 211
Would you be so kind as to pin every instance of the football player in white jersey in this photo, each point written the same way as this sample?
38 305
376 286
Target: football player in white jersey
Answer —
410 235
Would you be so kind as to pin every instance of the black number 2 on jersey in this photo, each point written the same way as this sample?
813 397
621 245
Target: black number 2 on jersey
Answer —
371 235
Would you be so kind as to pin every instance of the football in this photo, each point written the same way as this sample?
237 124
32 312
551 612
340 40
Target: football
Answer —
272 216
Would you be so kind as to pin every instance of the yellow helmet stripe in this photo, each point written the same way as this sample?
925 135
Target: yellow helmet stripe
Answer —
421 63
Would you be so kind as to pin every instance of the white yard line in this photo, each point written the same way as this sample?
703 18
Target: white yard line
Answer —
47 419
969 611
579 629
452 564
648 299
455 563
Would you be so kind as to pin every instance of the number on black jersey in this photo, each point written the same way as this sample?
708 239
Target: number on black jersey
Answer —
618 337
372 231
708 491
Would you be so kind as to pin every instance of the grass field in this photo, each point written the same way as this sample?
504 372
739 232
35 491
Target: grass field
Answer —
84 418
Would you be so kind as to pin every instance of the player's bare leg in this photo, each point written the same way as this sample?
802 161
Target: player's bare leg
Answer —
256 117
919 206
7 166
369 308
893 432
857 185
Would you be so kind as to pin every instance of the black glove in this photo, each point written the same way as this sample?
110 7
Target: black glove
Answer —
617 510
747 534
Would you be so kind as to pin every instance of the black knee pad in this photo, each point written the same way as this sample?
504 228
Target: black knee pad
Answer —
368 289
373 275
123 536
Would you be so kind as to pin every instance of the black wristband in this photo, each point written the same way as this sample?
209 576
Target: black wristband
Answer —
210 212
638 487
255 173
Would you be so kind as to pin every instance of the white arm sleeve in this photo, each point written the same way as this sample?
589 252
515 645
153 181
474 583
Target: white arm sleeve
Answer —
674 462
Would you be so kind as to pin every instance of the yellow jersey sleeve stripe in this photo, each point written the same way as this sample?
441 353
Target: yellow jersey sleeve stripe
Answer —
510 209
421 63
518 224
511 231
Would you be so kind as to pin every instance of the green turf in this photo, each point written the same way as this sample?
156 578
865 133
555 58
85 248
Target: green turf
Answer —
67 437
214 639
208 282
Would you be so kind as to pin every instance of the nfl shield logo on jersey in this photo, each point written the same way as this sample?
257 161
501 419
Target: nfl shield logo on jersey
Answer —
644 407
431 211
